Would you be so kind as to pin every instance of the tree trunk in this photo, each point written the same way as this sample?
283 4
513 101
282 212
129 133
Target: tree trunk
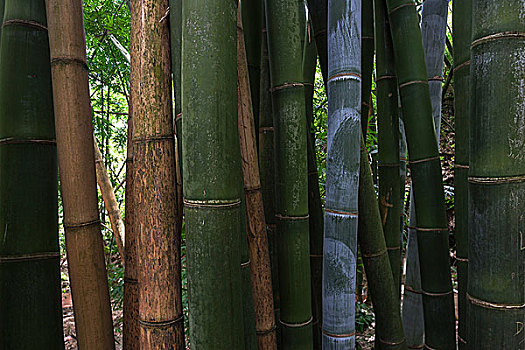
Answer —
432 224
286 53
212 192
155 197
462 28
74 128
30 304
110 201
342 173
496 286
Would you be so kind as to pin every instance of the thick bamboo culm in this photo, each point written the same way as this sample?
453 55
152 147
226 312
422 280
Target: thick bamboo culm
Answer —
388 140
291 188
367 60
496 269
342 173
130 327
30 304
74 129
212 193
383 288
110 201
256 225
318 10
155 198
462 32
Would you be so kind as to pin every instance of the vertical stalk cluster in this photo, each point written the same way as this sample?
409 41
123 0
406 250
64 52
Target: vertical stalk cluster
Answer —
432 224
462 30
212 192
155 200
496 286
30 303
291 188
342 173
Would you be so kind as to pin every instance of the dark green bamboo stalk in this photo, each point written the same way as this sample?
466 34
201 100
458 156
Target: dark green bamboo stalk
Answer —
462 31
496 286
388 140
212 195
267 171
367 60
383 287
432 227
286 53
318 10
30 303
342 173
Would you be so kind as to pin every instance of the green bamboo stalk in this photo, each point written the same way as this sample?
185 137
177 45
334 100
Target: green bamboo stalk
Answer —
432 227
496 286
388 140
342 173
367 60
267 171
318 10
30 303
212 195
462 31
383 288
286 53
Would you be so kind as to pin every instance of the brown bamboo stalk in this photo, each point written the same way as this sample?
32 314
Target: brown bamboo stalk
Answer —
130 327
155 196
74 129
110 201
257 239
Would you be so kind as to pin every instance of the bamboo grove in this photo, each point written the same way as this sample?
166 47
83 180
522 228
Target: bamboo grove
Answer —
247 221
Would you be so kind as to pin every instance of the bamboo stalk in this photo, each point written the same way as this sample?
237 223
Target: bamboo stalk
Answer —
342 173
212 193
130 327
30 305
383 288
432 224
462 31
496 286
257 239
89 285
155 205
318 9
367 60
286 53
110 201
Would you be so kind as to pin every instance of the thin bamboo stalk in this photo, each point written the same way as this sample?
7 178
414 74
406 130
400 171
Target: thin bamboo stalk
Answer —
110 201
212 192
367 60
462 31
318 9
30 305
155 202
432 227
496 285
342 173
383 288
74 129
130 327
286 53
257 239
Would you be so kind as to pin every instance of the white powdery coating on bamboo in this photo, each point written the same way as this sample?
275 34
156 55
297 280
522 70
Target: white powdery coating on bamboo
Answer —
516 137
344 41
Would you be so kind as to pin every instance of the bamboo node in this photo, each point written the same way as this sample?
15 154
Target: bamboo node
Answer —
296 325
348 335
66 60
284 217
159 138
178 117
316 256
213 204
162 324
374 255
430 294
392 343
498 36
400 7
389 165
73 226
385 77
495 306
355 76
266 129
429 348
272 329
461 166
286 86
412 290
423 160
13 141
25 257
496 180
462 340
425 82
461 66
355 215
23 22
462 259
425 229
246 264
436 78
366 37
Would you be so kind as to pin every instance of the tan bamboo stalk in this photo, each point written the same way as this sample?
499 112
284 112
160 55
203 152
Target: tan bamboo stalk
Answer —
130 327
110 201
74 129
155 198
256 224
